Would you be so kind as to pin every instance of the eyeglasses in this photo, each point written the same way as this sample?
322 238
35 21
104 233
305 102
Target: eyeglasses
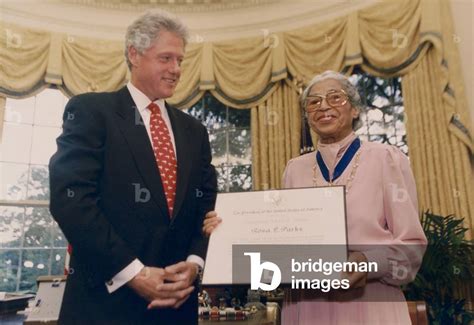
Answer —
334 98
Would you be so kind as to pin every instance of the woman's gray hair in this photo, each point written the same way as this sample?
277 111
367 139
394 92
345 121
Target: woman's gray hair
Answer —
349 88
146 29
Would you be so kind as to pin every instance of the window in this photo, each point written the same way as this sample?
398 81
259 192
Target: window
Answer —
229 135
383 120
31 243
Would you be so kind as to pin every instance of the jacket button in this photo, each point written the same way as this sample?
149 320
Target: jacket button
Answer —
110 283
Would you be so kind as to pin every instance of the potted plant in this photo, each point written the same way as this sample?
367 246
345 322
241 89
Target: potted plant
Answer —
447 266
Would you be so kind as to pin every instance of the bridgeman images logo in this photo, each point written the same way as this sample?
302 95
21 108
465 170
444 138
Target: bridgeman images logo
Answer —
265 276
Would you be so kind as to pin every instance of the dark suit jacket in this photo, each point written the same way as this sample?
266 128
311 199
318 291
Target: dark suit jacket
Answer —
108 199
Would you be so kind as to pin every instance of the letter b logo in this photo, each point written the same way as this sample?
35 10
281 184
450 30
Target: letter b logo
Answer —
257 270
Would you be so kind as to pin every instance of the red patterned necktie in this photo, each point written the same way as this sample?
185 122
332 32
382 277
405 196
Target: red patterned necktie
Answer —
164 154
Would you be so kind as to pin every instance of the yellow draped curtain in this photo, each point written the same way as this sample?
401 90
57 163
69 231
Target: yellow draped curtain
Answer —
407 38
276 132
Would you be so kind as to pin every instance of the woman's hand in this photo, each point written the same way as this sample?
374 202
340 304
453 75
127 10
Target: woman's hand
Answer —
356 279
211 221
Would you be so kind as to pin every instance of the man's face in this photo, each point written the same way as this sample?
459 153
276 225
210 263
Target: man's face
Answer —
157 70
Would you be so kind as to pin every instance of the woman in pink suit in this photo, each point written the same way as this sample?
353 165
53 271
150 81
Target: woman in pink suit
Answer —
382 211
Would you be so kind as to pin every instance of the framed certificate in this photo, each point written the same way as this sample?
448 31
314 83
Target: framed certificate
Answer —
290 224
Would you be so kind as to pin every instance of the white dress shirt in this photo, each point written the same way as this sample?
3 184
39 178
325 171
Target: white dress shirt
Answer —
141 102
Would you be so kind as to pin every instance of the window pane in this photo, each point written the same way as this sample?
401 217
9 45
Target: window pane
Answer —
20 110
38 183
383 116
57 262
214 114
44 144
49 108
378 138
34 263
399 125
229 135
376 128
196 111
8 269
14 178
389 130
404 148
375 114
239 118
363 137
392 140
11 223
15 137
59 240
240 178
388 118
240 147
38 228
222 177
218 147
380 101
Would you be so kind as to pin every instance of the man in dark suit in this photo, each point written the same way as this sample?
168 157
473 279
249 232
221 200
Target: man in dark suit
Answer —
130 183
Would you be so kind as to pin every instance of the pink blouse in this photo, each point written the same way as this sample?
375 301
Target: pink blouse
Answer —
382 222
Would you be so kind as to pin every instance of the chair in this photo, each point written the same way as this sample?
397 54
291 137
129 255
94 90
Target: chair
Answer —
417 310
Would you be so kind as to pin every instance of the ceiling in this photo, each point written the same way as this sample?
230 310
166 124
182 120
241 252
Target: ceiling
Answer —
172 5
208 20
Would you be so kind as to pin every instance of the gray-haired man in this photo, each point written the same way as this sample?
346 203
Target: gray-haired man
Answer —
130 184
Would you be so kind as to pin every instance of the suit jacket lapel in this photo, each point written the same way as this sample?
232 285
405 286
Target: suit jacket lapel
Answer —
182 135
132 126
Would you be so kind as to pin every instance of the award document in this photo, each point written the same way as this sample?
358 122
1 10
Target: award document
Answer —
284 221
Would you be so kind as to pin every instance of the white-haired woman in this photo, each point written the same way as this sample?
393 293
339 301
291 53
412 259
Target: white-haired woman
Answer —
382 211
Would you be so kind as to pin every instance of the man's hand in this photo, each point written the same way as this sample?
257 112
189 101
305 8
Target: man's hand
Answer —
356 279
211 221
149 281
181 276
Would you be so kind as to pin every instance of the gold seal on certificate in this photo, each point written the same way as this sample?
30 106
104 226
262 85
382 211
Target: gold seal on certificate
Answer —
291 217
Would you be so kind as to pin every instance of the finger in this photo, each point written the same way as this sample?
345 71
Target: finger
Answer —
179 267
348 276
151 272
211 214
212 221
180 302
176 295
207 230
174 277
186 292
354 278
361 282
358 276
174 286
357 257
162 303
176 268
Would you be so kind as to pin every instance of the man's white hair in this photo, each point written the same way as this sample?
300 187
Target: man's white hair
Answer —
146 29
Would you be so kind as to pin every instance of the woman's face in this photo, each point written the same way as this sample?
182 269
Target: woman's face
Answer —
332 124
